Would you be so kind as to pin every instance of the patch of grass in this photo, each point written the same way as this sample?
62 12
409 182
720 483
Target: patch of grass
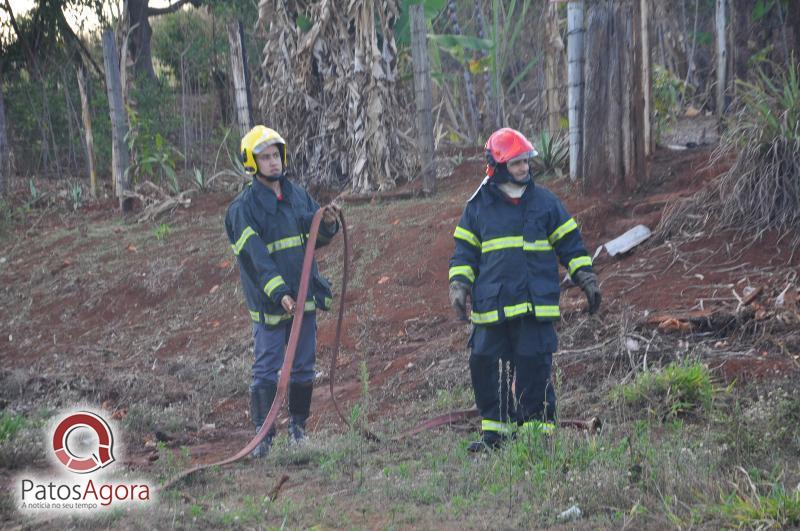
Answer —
6 217
642 474
10 425
460 397
162 231
675 390
171 462
754 433
20 441
746 507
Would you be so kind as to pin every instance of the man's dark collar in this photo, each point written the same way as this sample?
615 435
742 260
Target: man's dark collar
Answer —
265 196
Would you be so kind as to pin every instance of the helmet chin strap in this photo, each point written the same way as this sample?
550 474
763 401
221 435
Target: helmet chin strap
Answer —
525 182
270 178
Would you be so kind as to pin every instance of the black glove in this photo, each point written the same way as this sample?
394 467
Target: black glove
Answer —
587 281
458 298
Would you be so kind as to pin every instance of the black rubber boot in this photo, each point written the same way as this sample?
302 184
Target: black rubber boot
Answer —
490 440
261 397
299 408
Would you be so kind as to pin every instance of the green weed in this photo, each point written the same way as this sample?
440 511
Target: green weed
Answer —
171 462
748 508
553 154
677 389
162 231
668 92
10 425
76 196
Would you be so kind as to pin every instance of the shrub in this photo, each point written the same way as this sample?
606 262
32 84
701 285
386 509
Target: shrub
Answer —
553 154
762 189
677 389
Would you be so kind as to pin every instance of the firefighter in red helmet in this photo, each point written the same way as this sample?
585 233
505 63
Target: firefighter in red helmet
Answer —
508 243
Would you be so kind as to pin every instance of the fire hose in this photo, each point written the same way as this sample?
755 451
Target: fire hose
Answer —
286 369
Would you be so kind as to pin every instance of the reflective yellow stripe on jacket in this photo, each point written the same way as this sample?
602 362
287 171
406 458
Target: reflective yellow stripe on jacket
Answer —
246 233
273 319
541 310
563 230
272 284
578 262
285 243
463 234
510 242
496 244
464 270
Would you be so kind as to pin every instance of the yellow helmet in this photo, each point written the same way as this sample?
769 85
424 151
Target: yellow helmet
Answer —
255 141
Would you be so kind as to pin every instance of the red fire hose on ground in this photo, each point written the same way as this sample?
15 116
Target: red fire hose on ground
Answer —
294 335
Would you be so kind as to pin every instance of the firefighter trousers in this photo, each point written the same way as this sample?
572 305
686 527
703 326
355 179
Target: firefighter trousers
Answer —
507 356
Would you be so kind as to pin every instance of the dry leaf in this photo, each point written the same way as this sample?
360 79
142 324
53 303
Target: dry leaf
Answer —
671 324
383 280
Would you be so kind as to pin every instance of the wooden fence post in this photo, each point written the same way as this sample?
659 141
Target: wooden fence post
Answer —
613 123
575 31
422 90
722 57
241 84
649 138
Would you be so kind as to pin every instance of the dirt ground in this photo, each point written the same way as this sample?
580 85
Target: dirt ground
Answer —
94 308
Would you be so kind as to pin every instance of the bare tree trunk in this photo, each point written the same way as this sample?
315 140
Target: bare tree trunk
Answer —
87 130
119 120
613 139
575 32
422 90
240 77
141 33
5 158
553 50
722 56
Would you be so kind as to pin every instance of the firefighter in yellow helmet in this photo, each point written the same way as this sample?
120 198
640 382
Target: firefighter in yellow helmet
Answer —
267 225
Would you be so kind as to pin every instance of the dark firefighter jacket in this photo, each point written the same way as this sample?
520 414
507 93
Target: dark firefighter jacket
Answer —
507 253
268 237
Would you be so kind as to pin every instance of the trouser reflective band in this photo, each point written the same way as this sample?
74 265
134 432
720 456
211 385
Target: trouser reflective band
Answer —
496 426
538 426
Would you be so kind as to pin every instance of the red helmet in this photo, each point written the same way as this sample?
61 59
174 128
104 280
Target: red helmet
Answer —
506 145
